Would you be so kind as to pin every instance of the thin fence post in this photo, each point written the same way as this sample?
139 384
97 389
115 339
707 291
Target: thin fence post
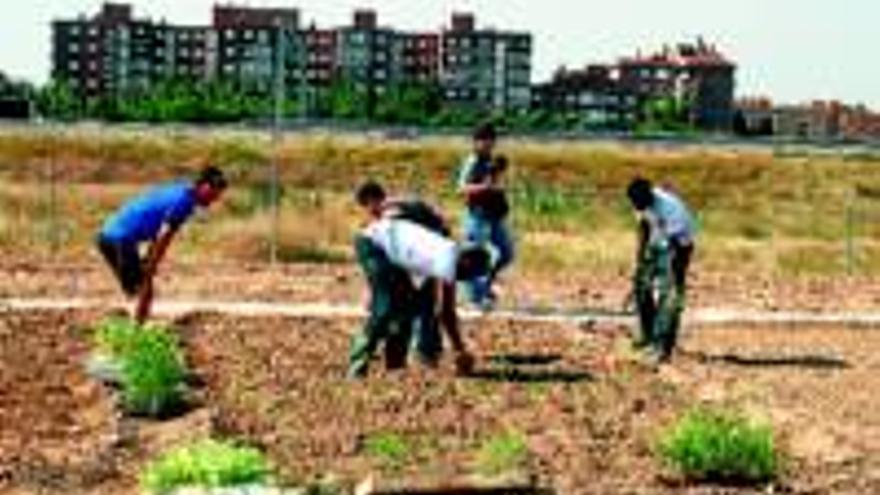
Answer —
53 192
850 237
276 143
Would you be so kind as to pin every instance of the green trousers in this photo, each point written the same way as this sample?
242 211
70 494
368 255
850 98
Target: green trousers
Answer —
660 287
391 312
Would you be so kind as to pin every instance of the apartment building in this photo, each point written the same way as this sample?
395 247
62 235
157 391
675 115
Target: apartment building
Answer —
694 72
485 68
593 94
114 52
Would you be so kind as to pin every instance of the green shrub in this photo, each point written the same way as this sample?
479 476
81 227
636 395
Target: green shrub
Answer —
152 366
206 463
389 448
153 373
502 453
719 446
114 336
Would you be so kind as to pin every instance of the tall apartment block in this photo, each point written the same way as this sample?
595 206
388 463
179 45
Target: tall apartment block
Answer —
485 68
697 72
114 52
245 44
593 94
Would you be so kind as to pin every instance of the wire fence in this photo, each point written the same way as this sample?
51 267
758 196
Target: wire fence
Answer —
57 190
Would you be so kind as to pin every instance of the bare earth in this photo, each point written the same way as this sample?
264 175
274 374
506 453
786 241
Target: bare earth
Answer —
589 413
343 284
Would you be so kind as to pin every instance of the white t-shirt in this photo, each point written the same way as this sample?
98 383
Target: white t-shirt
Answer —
421 252
669 219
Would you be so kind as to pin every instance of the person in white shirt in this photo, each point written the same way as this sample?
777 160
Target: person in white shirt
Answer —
665 247
401 259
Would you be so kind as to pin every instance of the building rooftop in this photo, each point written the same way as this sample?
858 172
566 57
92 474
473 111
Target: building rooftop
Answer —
698 54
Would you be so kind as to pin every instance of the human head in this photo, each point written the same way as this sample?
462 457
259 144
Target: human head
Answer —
484 139
370 196
640 193
472 262
209 185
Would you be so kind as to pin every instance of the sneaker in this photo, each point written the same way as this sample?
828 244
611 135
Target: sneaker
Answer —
486 305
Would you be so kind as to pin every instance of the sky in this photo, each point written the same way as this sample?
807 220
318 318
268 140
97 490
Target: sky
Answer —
789 50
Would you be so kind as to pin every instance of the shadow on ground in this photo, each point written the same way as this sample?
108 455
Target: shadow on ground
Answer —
811 361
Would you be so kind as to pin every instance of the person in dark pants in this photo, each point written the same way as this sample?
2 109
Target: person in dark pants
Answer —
423 312
665 247
152 218
476 185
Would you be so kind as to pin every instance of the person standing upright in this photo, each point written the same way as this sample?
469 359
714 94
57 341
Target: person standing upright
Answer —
478 186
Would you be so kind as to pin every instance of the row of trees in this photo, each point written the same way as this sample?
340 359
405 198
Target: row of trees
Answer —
408 104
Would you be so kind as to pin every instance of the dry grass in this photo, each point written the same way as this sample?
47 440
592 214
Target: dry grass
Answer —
757 212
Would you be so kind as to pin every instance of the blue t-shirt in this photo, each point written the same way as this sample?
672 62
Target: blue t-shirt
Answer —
142 218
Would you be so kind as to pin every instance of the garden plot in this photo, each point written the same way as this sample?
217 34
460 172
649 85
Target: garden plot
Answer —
564 407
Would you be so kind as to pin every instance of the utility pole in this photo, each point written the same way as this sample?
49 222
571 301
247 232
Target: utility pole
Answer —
276 142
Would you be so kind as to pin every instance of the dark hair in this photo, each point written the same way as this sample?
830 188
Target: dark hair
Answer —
499 165
485 132
213 177
640 193
369 191
473 262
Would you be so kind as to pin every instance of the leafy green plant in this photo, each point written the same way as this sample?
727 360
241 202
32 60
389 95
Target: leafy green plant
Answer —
389 448
502 453
207 463
114 336
152 367
153 373
720 446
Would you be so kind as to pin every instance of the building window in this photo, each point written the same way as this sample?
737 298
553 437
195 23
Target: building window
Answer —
74 65
230 51
93 31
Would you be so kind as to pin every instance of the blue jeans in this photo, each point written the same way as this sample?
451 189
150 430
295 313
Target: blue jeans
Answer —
484 231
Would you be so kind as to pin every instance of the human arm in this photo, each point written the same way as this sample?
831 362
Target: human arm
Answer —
155 255
464 360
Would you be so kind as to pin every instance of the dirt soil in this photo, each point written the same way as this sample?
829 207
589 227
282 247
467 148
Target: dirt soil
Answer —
343 284
586 410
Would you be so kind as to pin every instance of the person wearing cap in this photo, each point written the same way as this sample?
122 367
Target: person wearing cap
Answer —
152 218
665 247
404 262
481 225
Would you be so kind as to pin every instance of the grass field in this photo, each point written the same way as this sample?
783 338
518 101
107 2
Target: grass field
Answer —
758 213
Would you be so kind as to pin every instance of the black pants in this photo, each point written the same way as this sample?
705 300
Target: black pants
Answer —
124 260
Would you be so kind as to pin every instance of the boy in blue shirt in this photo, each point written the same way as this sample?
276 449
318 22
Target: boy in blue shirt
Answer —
153 217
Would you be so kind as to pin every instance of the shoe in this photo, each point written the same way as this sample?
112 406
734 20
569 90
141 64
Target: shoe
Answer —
656 358
486 305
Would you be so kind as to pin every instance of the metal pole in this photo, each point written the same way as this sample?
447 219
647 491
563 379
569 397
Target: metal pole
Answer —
53 193
276 142
850 237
